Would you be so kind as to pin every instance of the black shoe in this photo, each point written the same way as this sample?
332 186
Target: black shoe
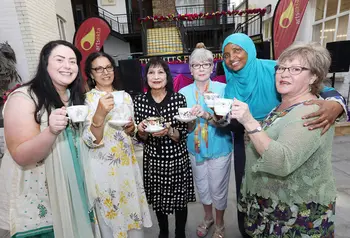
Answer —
163 235
180 236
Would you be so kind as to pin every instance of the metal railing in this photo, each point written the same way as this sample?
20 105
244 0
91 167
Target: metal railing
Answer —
252 26
121 23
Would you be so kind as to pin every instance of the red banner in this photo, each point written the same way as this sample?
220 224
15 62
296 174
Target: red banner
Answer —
286 21
90 37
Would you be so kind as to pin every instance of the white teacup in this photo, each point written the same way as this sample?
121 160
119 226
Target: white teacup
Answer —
209 98
222 106
77 113
118 97
185 112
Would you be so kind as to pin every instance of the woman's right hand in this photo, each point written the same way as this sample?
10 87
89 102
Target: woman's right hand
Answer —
58 120
141 127
105 105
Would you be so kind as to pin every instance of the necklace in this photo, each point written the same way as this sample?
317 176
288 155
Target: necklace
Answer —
202 131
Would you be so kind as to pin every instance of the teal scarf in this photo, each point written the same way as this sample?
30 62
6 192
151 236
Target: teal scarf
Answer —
254 84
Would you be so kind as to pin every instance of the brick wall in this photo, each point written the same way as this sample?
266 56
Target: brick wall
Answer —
37 20
29 24
163 7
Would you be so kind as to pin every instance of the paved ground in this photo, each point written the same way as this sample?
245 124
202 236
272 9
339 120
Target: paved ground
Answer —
341 166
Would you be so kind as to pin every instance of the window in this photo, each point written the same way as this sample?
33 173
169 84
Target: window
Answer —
319 9
342 28
328 32
344 5
332 6
60 23
331 21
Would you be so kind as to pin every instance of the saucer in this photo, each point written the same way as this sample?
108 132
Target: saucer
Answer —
154 129
118 122
192 118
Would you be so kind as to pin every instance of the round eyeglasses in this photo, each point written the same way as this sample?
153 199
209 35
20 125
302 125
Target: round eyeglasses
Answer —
293 70
100 69
204 66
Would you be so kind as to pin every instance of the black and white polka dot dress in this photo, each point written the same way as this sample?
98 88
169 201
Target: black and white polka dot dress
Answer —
166 166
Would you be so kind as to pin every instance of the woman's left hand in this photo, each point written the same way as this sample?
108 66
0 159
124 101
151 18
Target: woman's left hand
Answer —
328 113
240 111
129 128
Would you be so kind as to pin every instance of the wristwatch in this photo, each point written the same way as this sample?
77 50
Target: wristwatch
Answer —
258 129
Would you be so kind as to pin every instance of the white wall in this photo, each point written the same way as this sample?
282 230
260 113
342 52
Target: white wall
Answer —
118 8
118 48
64 10
10 31
38 25
28 25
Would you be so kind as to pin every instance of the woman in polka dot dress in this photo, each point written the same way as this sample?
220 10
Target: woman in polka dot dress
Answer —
167 170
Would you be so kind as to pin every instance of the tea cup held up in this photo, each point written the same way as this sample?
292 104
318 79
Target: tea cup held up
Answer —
209 98
185 112
222 106
78 113
118 97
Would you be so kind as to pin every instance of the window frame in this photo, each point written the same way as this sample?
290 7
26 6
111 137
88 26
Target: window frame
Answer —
325 19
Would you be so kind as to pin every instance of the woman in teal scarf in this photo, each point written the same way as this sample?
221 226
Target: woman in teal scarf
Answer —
252 81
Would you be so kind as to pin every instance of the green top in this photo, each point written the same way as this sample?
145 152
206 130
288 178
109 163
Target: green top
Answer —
296 167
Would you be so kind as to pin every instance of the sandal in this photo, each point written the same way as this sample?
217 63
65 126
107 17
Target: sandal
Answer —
202 229
219 232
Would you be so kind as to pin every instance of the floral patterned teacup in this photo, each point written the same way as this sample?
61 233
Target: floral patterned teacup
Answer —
77 113
209 98
154 122
185 112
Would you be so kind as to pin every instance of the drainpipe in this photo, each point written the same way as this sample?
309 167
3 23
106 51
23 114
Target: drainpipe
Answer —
246 17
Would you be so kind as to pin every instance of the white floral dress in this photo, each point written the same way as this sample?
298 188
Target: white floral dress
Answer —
118 181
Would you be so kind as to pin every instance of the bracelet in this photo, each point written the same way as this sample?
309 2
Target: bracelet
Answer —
96 126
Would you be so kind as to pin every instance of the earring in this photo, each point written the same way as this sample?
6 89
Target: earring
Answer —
310 87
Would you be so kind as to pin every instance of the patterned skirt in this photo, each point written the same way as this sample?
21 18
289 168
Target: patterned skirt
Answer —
268 218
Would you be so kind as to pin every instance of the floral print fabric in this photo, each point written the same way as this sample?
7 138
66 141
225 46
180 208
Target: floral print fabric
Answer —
267 218
120 193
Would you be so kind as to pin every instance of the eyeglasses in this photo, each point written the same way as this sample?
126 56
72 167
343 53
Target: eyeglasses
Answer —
100 69
204 66
294 70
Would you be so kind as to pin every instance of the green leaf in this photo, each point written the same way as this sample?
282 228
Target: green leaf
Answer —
317 223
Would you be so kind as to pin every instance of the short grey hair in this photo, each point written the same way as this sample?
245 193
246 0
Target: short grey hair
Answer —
201 54
315 56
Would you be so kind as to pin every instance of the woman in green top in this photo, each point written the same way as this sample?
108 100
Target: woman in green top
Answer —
289 189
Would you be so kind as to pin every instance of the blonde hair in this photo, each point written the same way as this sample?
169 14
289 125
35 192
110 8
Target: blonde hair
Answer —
200 45
315 56
201 54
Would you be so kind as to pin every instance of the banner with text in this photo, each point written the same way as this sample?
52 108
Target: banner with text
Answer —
90 37
286 21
